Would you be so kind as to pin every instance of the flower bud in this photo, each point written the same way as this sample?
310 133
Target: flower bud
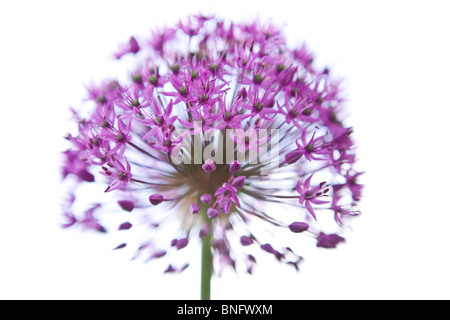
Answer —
209 166
195 208
134 45
246 241
293 156
238 182
181 243
212 213
126 205
204 231
125 226
206 198
235 166
328 241
298 227
156 199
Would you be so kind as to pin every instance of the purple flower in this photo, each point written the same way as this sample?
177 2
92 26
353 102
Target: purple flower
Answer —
131 99
131 47
309 149
300 110
89 221
73 165
226 195
231 117
341 211
160 38
218 130
120 136
192 26
70 220
246 140
310 195
118 173
352 184
262 106
159 119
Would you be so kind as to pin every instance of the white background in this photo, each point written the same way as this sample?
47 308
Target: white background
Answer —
394 56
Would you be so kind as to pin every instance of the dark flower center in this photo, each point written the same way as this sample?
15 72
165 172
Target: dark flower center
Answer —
101 99
293 113
307 112
258 106
258 79
152 79
137 78
175 68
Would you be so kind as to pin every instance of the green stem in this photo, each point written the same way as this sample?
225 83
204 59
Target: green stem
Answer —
205 292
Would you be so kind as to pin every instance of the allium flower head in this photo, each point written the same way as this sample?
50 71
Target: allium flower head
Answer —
223 129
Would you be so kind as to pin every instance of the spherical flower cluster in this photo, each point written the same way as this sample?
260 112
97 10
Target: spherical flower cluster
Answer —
223 129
